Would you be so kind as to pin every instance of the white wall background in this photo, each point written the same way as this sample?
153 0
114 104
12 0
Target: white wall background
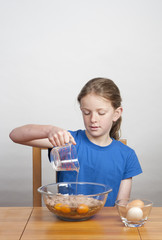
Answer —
49 49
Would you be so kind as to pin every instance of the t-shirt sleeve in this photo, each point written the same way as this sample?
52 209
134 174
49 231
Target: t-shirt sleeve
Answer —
132 167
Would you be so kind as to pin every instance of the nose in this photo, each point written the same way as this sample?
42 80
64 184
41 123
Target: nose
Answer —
93 118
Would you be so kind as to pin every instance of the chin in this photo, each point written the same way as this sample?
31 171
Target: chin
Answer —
94 134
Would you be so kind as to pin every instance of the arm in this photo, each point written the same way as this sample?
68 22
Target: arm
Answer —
125 188
41 136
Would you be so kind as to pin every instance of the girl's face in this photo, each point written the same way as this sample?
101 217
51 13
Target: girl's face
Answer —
98 116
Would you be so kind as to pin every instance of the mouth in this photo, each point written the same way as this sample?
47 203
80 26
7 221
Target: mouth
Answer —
94 128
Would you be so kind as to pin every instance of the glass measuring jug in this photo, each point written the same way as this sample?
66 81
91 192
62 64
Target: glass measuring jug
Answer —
64 158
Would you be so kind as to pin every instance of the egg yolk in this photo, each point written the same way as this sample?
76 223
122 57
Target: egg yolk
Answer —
82 208
65 208
58 206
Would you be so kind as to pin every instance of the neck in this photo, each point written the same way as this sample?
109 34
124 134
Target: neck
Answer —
102 141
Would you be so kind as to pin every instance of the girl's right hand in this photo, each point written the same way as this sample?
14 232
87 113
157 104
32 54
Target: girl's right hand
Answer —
59 137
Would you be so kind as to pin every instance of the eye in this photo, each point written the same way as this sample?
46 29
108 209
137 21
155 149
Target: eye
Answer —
85 112
101 113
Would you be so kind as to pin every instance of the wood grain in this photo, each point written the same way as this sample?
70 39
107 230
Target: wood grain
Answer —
25 223
152 229
105 225
13 221
37 176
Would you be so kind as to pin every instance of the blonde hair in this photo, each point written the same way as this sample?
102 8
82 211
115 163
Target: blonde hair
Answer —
106 88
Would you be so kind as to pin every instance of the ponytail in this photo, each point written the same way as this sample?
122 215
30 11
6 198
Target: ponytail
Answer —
115 130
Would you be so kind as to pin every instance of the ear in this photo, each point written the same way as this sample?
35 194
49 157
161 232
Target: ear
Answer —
117 113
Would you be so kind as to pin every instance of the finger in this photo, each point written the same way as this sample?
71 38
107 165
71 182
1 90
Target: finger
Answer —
67 138
61 138
72 140
52 141
57 141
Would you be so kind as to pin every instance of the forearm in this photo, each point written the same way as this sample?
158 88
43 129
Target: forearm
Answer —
125 189
41 135
30 132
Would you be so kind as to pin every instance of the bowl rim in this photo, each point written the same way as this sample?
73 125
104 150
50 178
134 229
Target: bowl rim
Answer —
109 189
149 202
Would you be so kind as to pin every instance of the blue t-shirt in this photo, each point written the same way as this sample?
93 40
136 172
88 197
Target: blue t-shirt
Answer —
107 165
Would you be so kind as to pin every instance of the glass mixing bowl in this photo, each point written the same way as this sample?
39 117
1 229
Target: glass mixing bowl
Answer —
134 212
73 201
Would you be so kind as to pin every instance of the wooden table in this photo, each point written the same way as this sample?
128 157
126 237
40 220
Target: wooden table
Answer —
27 223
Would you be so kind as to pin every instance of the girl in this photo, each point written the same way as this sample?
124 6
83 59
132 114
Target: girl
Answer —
102 158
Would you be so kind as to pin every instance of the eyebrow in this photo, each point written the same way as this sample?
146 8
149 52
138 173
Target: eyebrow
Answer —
98 109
